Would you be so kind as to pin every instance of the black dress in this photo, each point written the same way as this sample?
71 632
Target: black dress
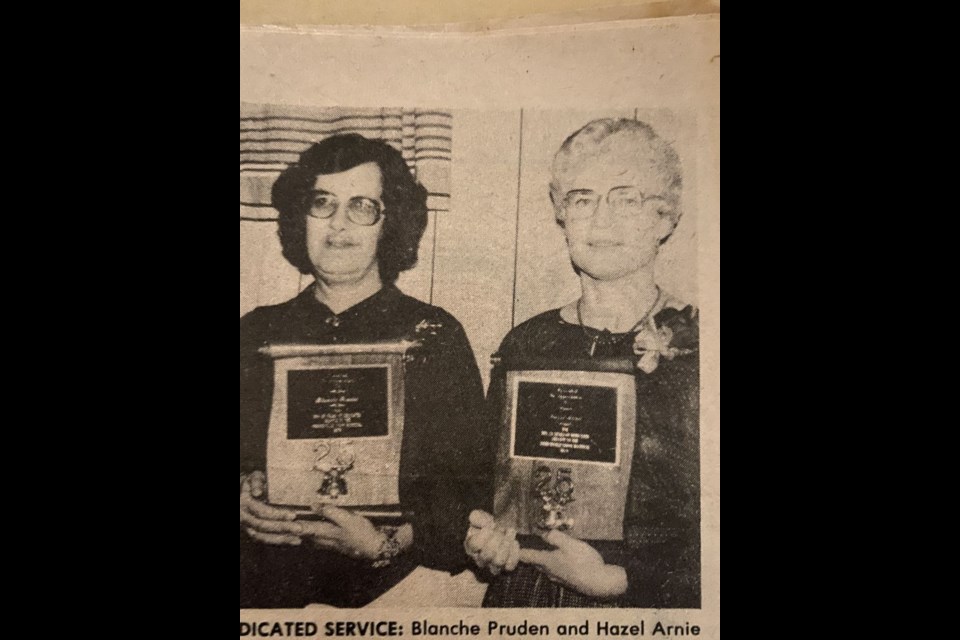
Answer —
661 550
446 445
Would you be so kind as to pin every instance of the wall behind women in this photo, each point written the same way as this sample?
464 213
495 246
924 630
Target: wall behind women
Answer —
497 257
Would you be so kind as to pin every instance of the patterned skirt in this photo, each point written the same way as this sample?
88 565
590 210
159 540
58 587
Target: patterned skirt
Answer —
528 587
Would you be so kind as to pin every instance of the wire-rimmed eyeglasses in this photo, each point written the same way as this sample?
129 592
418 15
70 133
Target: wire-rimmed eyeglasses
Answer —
583 204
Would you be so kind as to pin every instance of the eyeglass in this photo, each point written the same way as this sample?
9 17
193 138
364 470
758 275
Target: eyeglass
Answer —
625 202
365 212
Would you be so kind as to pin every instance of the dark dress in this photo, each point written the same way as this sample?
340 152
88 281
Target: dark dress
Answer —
443 474
661 550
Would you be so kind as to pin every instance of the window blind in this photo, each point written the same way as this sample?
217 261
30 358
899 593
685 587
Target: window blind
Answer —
273 137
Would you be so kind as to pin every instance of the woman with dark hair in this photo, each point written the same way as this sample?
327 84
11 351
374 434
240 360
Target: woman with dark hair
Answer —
352 215
617 195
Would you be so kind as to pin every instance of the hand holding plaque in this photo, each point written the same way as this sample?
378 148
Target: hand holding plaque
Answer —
492 548
572 563
578 566
344 532
262 522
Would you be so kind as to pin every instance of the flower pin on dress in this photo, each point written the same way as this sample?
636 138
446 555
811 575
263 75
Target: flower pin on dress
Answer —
426 333
428 328
654 343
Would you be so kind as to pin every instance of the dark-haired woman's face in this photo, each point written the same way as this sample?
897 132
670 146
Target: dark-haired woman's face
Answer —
341 250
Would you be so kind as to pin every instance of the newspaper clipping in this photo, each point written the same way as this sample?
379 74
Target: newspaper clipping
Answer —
479 331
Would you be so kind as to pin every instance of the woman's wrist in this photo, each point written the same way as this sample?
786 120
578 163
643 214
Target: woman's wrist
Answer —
621 581
389 549
396 541
405 536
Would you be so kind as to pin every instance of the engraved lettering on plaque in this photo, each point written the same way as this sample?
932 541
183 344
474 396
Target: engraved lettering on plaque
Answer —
342 402
566 422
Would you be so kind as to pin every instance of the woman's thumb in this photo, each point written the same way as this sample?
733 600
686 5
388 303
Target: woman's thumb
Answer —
559 539
481 520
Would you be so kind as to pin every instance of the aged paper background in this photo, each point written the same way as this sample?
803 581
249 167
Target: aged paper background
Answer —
458 15
668 67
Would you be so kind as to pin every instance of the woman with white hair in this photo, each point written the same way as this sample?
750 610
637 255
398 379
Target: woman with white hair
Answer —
617 193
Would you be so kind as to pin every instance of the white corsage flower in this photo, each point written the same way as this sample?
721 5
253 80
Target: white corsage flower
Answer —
654 343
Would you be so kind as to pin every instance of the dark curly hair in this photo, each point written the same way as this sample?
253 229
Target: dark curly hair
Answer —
404 199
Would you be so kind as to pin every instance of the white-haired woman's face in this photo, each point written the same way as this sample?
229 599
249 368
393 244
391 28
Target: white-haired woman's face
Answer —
615 210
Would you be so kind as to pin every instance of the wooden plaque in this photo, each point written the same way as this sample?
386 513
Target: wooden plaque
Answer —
336 426
566 452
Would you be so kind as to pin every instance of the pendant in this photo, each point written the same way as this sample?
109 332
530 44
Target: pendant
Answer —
333 484
555 493
604 338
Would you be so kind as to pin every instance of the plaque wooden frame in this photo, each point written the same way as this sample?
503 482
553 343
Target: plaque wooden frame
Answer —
600 488
373 478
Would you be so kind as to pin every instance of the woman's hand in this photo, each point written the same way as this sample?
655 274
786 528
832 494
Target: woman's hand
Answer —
264 523
346 533
492 548
578 566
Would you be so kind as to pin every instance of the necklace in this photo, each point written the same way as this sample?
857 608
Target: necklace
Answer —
605 336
